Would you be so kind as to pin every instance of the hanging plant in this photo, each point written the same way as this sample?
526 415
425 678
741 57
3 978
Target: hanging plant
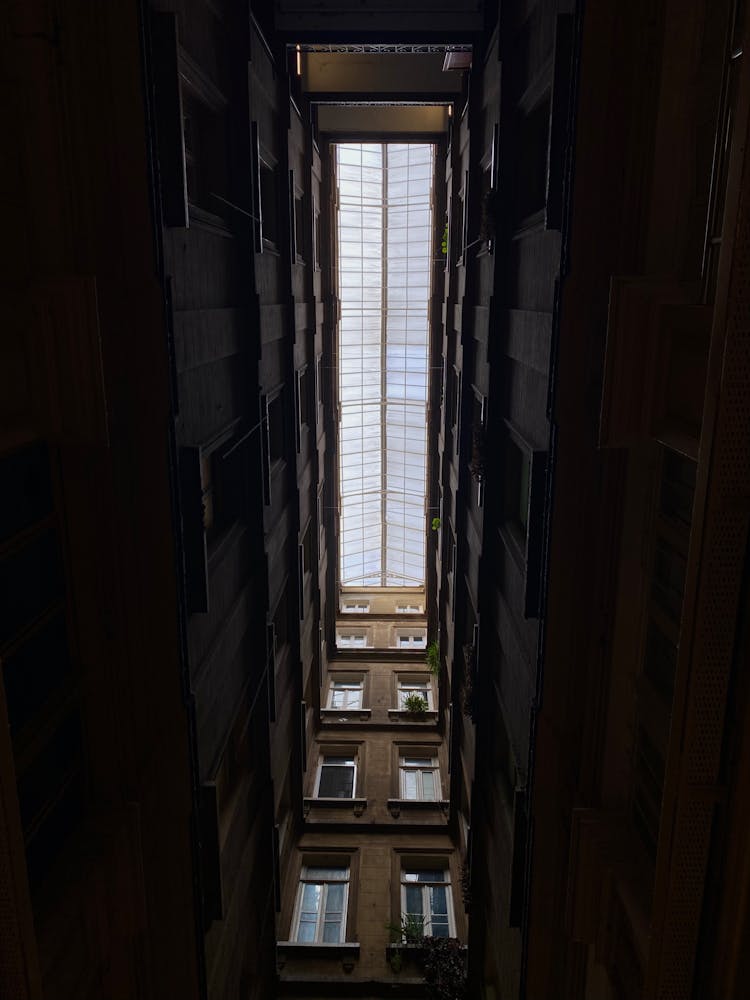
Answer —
444 967
433 659
466 885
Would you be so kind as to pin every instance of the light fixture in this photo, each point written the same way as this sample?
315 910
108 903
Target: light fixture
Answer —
299 61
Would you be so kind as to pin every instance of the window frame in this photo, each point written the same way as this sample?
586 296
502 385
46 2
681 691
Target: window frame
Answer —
343 637
347 683
417 639
303 880
433 767
355 607
405 685
332 754
408 869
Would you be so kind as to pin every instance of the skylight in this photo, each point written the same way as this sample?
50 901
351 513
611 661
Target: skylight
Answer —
384 230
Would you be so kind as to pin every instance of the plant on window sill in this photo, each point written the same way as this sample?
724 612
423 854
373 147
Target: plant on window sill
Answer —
433 659
442 959
416 704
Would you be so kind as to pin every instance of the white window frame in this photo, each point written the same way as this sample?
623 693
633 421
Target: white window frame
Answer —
425 887
347 684
411 640
418 764
408 609
350 640
355 607
406 687
307 877
331 755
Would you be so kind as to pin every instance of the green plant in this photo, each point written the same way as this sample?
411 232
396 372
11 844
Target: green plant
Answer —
444 967
436 524
444 242
415 703
433 659
409 931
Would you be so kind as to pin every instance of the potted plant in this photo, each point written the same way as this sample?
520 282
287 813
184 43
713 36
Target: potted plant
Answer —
409 931
415 703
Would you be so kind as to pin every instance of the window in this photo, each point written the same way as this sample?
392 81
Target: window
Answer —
426 900
385 240
408 609
205 132
354 640
346 694
269 209
533 142
419 779
355 607
407 688
302 403
319 399
411 640
275 427
320 914
337 776
300 228
517 482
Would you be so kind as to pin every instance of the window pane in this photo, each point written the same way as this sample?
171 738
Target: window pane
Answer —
414 900
336 782
410 785
310 898
306 930
424 875
327 874
335 901
438 900
428 785
332 931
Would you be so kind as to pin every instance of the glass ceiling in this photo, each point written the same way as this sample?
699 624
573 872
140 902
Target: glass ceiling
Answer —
384 261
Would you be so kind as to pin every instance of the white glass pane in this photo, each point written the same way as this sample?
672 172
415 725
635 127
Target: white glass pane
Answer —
385 232
414 900
428 786
410 785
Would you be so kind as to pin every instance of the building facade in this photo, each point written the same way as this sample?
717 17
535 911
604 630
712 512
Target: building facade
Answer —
238 758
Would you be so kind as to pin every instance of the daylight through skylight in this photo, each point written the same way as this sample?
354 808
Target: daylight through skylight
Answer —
384 262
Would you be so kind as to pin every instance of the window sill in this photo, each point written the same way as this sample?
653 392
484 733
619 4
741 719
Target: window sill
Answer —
357 806
347 951
396 805
414 950
344 714
400 713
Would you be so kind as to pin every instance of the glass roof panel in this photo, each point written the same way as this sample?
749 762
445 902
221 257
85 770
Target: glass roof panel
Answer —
384 268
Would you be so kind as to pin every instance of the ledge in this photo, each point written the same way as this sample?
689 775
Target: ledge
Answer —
357 806
347 951
414 950
344 715
396 805
428 716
